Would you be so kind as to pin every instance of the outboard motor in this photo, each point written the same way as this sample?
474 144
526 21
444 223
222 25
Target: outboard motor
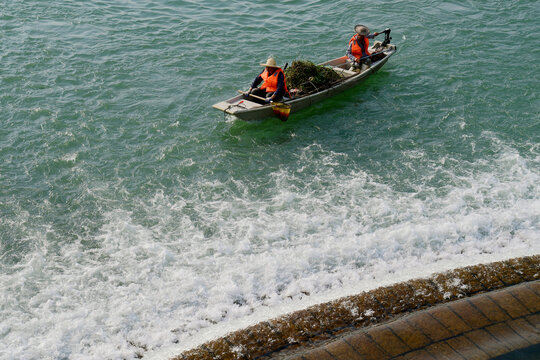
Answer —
387 37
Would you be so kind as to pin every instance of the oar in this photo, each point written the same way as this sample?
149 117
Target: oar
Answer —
260 98
372 55
254 96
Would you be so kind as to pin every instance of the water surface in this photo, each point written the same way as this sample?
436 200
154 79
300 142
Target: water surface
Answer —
137 220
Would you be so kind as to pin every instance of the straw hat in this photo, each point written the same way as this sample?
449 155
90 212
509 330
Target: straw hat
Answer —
271 62
361 30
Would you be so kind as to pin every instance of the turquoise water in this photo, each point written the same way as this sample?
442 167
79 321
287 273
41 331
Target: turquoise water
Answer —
137 220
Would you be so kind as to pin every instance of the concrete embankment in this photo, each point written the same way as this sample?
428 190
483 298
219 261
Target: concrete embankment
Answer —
480 311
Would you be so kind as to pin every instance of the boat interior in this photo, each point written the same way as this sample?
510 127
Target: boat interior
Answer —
342 66
339 65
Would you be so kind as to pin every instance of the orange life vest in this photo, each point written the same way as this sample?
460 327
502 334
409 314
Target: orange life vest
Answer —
356 50
270 82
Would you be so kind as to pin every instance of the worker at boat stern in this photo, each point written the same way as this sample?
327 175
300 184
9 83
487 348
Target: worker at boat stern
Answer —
358 49
273 82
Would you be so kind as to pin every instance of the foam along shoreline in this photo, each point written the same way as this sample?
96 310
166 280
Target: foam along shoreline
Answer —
321 324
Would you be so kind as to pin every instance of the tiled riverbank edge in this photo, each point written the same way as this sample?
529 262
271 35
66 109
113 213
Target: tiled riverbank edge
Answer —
326 324
480 327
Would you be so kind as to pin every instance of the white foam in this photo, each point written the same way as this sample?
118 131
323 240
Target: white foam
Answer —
214 263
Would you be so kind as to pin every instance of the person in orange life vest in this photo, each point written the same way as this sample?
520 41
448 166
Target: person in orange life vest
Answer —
358 48
273 87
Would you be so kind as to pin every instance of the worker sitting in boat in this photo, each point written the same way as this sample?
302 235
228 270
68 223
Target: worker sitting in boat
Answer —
273 87
357 51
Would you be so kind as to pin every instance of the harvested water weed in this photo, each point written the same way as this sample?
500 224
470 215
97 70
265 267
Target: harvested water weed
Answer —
307 77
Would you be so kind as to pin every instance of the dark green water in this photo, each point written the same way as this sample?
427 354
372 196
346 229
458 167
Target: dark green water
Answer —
529 353
135 218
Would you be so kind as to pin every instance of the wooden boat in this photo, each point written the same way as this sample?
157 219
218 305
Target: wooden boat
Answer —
248 110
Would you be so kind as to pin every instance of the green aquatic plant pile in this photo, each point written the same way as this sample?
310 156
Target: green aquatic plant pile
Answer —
306 76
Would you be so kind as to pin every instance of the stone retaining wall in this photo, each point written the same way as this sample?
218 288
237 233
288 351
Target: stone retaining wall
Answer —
332 320
481 327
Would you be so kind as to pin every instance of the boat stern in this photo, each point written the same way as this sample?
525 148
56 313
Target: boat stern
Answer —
244 109
235 105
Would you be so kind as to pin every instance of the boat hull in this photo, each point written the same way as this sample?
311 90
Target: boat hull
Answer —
251 111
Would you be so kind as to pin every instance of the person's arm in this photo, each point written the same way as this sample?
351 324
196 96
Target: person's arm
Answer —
256 82
349 52
372 36
280 87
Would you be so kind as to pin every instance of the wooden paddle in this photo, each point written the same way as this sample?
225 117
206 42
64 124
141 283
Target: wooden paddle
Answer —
254 96
282 110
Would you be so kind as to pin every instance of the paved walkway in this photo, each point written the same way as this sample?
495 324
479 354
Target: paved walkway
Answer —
480 327
475 312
